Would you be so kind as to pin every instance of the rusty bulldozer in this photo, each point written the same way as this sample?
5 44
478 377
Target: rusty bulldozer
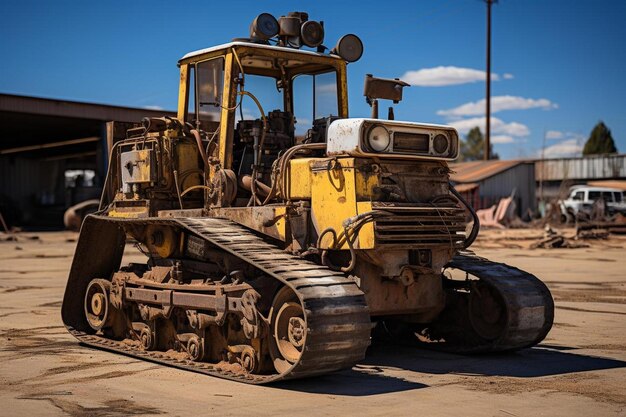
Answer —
278 231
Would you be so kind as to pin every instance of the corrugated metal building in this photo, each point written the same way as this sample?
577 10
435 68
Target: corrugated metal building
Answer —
484 183
553 175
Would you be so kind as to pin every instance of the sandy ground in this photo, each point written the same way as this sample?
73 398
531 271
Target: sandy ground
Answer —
580 369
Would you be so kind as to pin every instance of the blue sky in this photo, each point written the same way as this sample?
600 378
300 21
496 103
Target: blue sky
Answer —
560 65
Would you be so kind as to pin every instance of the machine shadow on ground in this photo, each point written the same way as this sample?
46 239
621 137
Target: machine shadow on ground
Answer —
356 382
371 376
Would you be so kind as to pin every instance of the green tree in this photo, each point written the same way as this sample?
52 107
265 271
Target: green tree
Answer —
473 147
600 141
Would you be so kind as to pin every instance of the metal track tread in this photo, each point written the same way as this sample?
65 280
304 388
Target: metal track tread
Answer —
529 306
337 316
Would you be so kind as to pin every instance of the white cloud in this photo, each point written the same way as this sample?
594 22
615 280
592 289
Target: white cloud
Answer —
566 148
507 76
153 108
497 126
441 76
326 88
554 134
557 134
498 104
302 125
502 139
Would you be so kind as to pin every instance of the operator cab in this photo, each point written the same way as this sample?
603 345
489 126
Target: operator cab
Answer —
252 99
263 100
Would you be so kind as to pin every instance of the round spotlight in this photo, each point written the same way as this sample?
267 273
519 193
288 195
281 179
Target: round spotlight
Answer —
440 144
264 27
349 47
312 33
378 138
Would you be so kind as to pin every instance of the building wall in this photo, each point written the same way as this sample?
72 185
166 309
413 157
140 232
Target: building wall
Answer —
472 197
33 193
555 176
520 178
27 185
586 168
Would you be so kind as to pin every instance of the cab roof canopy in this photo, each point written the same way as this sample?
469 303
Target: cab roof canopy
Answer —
268 59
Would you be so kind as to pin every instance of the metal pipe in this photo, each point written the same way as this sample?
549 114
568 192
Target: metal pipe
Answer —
196 135
375 109
180 199
196 187
475 226
263 189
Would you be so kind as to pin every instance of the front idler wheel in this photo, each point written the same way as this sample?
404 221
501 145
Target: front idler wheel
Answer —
97 308
289 330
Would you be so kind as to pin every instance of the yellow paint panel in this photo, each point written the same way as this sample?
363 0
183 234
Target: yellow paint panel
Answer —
300 179
365 183
366 233
333 200
281 224
189 170
129 212
332 196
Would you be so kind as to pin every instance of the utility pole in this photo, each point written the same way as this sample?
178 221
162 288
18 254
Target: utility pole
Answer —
543 166
488 93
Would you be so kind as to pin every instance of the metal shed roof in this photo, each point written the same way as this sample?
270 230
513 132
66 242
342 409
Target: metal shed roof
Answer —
466 187
476 171
32 123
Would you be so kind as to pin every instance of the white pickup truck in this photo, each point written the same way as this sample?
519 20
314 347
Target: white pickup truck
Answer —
582 197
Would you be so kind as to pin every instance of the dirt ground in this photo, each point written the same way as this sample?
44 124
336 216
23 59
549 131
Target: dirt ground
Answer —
580 369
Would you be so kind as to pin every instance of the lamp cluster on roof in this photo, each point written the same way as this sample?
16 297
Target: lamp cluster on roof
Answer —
296 30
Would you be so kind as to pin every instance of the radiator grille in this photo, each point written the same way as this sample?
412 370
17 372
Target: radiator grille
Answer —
420 225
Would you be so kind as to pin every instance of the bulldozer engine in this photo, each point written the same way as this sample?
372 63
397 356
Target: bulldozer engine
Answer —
278 231
151 167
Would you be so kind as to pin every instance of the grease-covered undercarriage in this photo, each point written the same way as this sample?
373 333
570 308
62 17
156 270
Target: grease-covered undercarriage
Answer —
273 315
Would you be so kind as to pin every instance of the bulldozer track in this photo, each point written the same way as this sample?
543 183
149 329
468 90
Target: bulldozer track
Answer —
336 314
528 312
529 304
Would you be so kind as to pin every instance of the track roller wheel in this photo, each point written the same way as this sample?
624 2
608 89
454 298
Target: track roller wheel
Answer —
289 330
147 337
97 311
249 361
195 348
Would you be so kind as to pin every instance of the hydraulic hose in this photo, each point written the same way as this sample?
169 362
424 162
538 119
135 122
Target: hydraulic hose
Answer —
475 226
196 135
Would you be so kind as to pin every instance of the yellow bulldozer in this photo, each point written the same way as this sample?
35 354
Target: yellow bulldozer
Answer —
278 232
